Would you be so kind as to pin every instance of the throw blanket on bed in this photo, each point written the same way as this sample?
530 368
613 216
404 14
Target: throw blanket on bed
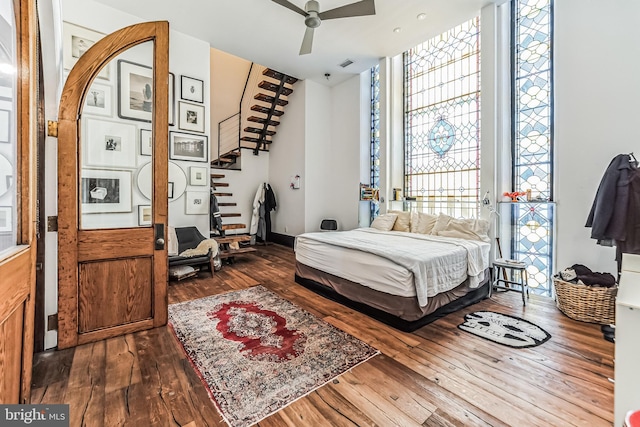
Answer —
437 263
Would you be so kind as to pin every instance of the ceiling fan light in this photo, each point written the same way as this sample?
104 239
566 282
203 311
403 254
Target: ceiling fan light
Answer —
312 21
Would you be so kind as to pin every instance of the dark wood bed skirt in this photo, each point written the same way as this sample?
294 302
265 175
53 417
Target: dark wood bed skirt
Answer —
402 313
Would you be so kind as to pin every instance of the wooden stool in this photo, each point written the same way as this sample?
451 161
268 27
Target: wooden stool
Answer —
517 276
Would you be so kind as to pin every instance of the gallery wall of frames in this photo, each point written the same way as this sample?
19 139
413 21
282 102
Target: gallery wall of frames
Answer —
115 189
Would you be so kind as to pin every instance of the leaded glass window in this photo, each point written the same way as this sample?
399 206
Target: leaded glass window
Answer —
442 121
532 223
375 135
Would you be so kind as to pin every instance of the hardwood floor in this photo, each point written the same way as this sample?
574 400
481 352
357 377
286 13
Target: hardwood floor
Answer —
437 376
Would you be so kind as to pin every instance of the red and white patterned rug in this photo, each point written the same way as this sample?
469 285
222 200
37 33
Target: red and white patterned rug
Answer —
257 353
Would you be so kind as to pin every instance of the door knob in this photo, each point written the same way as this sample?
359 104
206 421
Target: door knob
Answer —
160 241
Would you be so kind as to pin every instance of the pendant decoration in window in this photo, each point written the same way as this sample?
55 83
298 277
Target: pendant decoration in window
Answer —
442 136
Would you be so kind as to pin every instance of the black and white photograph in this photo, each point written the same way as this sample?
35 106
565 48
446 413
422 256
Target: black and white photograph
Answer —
170 190
104 191
135 91
76 41
197 203
191 117
109 143
98 100
6 175
191 89
5 219
185 146
144 215
112 143
197 175
146 142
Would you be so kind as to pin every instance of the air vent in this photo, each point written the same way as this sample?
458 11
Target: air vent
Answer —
346 63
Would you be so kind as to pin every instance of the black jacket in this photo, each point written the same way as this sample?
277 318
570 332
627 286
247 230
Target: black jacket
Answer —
608 215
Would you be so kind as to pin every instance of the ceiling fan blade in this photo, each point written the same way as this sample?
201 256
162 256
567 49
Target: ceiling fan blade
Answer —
290 6
307 41
359 8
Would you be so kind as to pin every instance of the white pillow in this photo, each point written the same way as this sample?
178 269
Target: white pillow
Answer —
403 222
472 229
441 224
422 222
384 222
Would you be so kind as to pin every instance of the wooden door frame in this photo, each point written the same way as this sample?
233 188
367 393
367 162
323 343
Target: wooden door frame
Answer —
71 103
17 267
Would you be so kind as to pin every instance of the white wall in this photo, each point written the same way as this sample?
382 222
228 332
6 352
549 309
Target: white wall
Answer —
596 91
187 56
287 159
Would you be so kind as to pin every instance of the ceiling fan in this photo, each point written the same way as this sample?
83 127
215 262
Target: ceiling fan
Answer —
313 16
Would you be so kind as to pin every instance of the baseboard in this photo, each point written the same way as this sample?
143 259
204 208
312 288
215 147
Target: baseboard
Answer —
282 239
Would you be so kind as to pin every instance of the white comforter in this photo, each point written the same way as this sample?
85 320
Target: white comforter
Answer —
438 263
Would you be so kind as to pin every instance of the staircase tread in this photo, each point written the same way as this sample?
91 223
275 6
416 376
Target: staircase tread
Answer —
227 204
220 184
217 175
230 239
256 130
233 226
229 214
232 154
222 194
278 75
265 110
266 98
257 119
274 87
250 139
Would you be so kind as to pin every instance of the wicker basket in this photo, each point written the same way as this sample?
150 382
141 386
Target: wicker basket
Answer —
591 304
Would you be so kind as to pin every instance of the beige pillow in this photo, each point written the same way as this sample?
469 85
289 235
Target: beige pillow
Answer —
422 222
403 222
472 229
441 223
384 222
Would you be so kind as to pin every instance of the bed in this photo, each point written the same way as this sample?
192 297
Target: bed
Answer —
406 270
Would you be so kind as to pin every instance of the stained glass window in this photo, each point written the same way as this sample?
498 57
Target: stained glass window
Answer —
375 135
532 223
442 121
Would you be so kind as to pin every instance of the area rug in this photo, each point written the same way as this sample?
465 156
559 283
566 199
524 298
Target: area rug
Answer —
257 352
504 329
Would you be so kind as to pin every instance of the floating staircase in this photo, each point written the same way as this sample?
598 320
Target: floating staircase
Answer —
229 244
255 124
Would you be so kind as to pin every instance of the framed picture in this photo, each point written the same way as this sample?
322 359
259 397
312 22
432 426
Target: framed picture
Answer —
197 175
108 143
135 92
190 117
105 191
76 41
146 142
197 203
6 219
98 100
5 125
191 89
186 146
170 190
144 215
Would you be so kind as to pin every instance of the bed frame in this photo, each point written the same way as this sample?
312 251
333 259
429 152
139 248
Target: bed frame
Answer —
370 302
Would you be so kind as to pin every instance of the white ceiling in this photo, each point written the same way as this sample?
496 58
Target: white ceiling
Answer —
268 34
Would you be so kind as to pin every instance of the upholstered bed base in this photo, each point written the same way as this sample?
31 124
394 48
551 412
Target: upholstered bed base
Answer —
402 313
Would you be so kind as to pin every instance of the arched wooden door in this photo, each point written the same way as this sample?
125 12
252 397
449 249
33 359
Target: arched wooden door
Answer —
112 260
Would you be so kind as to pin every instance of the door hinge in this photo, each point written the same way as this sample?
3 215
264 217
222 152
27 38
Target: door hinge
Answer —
52 223
52 322
52 128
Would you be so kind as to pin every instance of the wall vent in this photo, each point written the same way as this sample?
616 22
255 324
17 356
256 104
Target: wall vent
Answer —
346 63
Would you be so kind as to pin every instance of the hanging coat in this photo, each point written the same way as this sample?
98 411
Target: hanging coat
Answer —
269 205
607 218
215 220
257 201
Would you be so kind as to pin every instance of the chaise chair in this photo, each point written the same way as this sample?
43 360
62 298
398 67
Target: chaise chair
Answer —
189 239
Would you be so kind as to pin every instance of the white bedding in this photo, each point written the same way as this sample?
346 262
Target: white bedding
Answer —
437 263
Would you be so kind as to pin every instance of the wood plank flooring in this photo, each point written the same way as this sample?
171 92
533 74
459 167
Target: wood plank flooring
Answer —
436 376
